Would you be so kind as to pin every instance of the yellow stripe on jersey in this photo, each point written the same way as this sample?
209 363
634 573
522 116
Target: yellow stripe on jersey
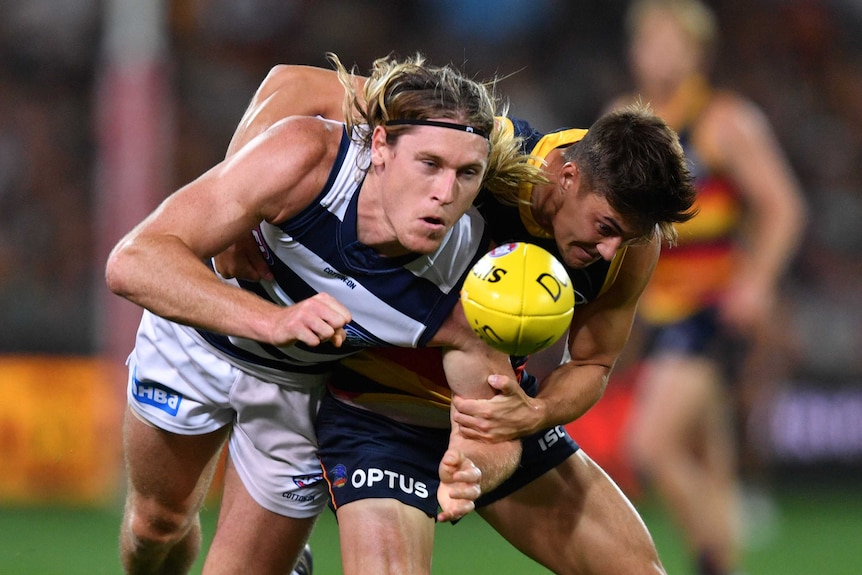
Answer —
539 152
614 269
411 397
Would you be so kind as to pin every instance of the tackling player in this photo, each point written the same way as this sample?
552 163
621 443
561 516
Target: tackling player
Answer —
610 197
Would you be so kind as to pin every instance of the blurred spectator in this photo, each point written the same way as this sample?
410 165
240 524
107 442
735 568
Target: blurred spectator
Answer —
46 265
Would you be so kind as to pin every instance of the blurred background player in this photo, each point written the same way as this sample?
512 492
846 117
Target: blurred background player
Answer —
712 295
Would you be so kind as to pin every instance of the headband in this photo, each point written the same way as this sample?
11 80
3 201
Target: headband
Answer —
451 125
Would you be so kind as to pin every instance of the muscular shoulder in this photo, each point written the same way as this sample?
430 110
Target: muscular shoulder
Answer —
727 124
291 162
304 90
313 133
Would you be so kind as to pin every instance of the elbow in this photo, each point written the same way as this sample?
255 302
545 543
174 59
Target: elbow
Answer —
117 271
600 386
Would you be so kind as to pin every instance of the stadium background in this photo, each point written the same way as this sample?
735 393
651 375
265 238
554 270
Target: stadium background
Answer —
107 106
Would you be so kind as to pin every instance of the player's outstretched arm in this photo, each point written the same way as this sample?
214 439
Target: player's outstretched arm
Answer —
468 362
159 264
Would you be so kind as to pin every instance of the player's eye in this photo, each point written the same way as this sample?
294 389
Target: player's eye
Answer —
606 230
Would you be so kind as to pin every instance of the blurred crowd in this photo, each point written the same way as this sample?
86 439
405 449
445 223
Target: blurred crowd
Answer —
560 63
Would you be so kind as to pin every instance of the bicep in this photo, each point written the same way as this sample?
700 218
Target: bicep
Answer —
597 336
201 216
467 360
225 203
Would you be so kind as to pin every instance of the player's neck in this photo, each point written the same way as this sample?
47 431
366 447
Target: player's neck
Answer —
372 225
541 206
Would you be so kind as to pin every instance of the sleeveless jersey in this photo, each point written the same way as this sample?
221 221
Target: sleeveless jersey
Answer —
691 275
399 301
410 385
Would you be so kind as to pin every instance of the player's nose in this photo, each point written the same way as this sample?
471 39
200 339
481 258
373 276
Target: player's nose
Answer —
445 187
608 247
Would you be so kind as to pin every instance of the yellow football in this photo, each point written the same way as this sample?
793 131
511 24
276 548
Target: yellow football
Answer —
518 298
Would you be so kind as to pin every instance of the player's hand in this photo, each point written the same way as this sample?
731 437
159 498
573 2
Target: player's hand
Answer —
312 321
459 486
510 414
243 260
747 306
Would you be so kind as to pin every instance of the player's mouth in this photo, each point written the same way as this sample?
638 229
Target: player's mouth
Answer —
578 256
434 223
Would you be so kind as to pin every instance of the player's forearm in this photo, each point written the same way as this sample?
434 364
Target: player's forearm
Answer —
496 461
774 245
469 362
165 278
568 392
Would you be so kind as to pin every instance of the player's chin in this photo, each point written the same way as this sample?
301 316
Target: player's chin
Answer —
425 243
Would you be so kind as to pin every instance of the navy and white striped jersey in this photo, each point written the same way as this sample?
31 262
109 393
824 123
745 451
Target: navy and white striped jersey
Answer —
399 301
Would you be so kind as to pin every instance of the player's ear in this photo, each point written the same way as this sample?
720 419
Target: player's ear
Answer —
569 176
379 145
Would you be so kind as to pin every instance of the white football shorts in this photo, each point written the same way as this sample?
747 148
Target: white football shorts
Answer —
178 383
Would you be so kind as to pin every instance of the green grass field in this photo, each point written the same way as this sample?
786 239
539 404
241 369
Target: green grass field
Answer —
818 531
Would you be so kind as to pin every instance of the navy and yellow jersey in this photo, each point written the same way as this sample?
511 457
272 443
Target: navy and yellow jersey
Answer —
516 224
691 276
409 384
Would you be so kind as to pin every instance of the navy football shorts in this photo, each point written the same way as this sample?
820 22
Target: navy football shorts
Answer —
366 455
700 334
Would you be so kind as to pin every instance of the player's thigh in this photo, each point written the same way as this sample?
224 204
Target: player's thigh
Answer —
252 539
574 519
169 469
674 396
381 536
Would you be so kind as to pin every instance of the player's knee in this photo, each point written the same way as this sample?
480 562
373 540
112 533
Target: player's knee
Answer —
157 527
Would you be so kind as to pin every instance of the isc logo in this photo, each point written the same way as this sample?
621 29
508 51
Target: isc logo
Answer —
156 395
551 437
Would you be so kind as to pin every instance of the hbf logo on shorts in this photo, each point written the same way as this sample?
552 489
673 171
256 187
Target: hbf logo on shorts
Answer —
157 395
